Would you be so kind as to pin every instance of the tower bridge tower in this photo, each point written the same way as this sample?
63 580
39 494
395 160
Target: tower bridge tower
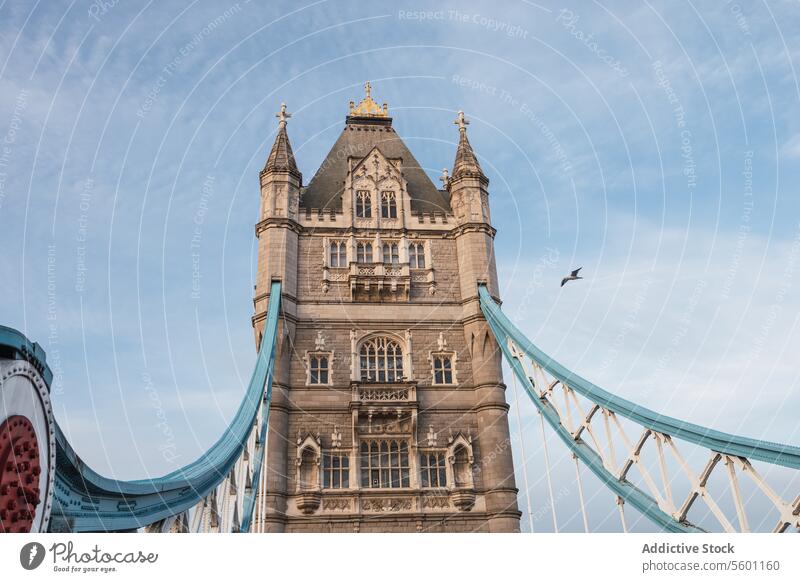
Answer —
388 409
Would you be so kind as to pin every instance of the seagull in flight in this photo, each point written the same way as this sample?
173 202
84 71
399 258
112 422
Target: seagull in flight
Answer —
572 276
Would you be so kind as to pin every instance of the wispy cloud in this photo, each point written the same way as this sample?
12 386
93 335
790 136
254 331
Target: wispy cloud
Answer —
680 203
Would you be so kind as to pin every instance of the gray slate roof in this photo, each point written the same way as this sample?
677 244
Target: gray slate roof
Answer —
359 137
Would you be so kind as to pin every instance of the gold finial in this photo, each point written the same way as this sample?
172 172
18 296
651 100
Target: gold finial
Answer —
367 106
282 115
461 122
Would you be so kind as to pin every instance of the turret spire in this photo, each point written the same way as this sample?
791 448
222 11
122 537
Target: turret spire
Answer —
281 157
466 163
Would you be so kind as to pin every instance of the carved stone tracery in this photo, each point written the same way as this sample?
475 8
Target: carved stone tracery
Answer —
386 504
335 504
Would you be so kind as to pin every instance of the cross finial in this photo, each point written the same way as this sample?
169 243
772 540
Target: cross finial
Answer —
282 115
367 106
461 122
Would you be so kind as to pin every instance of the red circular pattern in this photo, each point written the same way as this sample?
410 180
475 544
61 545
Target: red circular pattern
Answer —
19 475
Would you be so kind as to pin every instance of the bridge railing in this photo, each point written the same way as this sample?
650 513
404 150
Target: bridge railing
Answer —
658 479
217 492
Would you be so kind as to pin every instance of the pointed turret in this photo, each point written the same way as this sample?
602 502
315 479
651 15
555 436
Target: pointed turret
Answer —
474 236
281 181
277 227
277 233
281 157
466 163
469 196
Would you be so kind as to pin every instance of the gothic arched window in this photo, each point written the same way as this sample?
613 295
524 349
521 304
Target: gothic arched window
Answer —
363 204
381 360
364 252
388 204
416 255
391 253
338 254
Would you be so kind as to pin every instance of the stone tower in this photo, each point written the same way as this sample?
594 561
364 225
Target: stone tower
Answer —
388 409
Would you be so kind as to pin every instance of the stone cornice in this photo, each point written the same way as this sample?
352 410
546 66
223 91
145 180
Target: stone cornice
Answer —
343 232
473 227
284 297
455 182
504 407
264 174
277 222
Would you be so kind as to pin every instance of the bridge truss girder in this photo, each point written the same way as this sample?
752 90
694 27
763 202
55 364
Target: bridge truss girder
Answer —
595 425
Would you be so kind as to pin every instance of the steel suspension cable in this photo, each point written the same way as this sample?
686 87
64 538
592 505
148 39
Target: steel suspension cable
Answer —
264 471
260 502
621 505
522 450
547 472
580 493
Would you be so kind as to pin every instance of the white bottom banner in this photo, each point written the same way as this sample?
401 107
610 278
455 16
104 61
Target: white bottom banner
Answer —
390 557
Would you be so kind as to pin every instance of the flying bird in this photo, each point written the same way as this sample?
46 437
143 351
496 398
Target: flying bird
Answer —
572 276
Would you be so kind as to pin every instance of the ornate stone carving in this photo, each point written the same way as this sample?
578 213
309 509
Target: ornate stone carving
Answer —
380 422
464 499
333 275
386 504
435 501
336 437
432 437
308 502
384 394
444 178
336 503
367 106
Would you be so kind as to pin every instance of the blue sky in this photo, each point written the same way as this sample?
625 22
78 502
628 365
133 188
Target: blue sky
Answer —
655 144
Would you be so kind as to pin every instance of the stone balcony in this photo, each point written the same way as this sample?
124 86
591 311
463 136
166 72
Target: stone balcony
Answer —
384 409
379 281
388 394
